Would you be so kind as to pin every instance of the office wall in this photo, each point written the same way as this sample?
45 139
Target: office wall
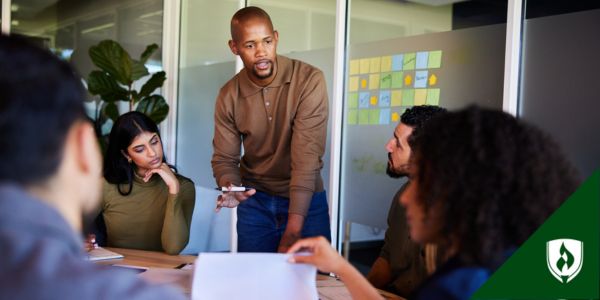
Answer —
559 86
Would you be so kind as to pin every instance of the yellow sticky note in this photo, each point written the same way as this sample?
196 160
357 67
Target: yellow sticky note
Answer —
363 83
375 65
432 79
407 80
365 63
353 84
354 67
396 98
374 81
373 100
420 96
395 117
386 64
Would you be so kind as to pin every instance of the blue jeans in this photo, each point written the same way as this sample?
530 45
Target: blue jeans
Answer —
262 219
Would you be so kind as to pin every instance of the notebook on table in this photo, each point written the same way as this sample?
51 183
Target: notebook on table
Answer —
102 254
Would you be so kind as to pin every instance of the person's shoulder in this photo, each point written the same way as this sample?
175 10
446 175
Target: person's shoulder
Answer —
185 182
109 190
303 68
458 283
231 86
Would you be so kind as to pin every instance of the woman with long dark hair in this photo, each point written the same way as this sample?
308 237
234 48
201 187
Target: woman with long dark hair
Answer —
145 204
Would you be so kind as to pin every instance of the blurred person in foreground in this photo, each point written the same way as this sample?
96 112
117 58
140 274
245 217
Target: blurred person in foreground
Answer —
481 183
50 177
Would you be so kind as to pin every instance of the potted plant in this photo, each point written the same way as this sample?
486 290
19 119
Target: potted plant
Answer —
116 81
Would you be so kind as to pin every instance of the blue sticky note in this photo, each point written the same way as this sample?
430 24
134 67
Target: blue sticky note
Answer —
384 116
363 100
397 62
421 79
384 98
422 60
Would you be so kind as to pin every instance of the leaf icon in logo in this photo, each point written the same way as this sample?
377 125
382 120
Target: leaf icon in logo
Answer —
562 262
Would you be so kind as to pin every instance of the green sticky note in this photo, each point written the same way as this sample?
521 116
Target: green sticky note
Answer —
363 116
352 117
435 59
408 97
386 81
353 100
397 78
396 98
433 96
374 116
409 61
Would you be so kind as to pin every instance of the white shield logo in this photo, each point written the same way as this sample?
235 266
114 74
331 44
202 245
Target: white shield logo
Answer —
564 258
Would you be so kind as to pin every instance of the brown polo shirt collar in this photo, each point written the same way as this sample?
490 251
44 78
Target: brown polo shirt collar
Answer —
283 76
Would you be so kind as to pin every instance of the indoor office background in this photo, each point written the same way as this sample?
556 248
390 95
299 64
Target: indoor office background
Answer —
379 57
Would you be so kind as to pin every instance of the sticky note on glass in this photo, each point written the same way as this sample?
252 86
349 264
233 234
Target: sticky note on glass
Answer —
363 100
433 97
420 96
396 98
409 61
352 116
374 116
386 63
374 81
363 116
363 83
353 84
352 100
397 61
375 65
435 59
384 98
422 60
408 97
354 67
384 116
365 63
397 79
421 79
386 80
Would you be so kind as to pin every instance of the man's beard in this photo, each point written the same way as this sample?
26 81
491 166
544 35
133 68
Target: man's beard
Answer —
390 171
255 72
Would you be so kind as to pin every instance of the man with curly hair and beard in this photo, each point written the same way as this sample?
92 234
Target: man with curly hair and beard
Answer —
481 182
401 264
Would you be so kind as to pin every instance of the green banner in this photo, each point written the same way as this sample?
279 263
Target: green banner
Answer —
561 259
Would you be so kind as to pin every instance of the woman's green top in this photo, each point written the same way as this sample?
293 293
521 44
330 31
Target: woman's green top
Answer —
149 218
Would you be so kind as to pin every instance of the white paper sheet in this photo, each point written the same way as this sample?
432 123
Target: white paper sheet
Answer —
252 276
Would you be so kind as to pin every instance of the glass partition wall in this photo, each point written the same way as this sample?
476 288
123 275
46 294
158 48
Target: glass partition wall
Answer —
206 63
402 54
559 90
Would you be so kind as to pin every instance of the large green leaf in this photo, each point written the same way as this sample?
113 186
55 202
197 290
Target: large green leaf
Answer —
154 107
111 111
110 57
138 70
150 49
153 83
103 84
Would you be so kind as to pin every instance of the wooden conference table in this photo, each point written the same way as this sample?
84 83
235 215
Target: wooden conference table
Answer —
163 268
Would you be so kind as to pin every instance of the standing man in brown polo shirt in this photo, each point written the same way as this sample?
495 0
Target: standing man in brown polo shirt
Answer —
277 108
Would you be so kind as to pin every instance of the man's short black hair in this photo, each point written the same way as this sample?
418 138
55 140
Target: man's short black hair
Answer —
40 99
416 116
